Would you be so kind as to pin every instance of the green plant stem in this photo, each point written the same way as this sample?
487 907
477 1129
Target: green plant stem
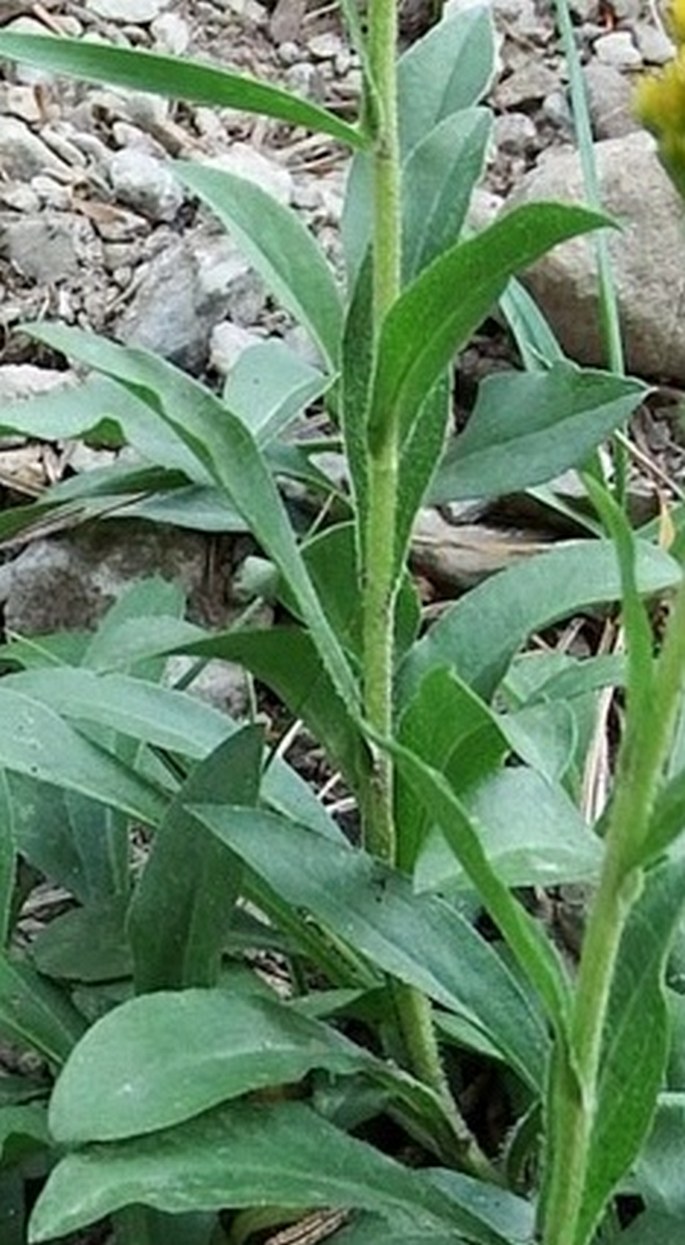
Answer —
380 577
640 770
416 1023
379 553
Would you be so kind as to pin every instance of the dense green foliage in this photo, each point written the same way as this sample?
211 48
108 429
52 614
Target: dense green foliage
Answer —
180 1094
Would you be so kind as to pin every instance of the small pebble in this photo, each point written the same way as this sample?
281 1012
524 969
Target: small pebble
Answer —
171 34
325 47
655 46
289 53
618 49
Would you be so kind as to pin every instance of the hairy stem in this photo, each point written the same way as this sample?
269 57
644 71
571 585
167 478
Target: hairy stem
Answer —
641 763
379 552
380 573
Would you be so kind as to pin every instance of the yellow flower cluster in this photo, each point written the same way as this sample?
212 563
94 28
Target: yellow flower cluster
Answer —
660 101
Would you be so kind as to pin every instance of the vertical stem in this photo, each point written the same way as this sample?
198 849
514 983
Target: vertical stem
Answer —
379 586
641 762
380 572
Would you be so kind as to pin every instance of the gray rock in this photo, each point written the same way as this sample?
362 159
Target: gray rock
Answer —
325 47
610 101
171 33
185 290
585 10
618 49
515 133
648 258
227 343
23 380
145 184
23 154
21 101
20 197
71 580
46 248
221 684
127 11
289 52
52 194
556 109
626 10
243 161
305 80
655 46
526 85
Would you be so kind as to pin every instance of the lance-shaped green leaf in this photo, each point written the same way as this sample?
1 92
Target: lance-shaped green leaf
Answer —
527 427
99 407
536 956
448 725
156 715
480 634
245 1154
165 1057
174 77
438 179
374 910
182 908
268 387
636 1041
437 314
279 247
221 441
35 1013
86 944
449 69
38 743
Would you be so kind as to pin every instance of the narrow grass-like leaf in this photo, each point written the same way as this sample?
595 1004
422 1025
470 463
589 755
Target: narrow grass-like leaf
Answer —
182 908
636 1041
438 178
279 247
245 1154
536 956
640 664
436 315
480 634
528 427
174 77
225 446
35 1013
374 910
